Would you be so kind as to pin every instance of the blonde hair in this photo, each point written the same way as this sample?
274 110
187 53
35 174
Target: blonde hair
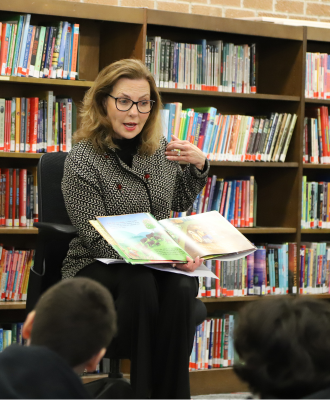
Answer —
95 124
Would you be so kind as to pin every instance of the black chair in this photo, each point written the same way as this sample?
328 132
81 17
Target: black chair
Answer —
55 234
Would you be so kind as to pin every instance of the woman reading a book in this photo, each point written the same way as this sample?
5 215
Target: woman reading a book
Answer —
122 164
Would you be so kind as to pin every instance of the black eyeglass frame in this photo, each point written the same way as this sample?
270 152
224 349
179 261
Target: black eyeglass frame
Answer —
133 102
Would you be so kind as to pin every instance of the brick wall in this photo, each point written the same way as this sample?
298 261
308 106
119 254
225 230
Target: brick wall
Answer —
318 10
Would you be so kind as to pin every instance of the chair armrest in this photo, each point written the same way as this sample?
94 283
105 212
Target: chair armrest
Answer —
49 228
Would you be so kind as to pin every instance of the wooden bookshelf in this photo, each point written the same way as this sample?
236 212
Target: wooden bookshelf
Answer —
12 305
109 33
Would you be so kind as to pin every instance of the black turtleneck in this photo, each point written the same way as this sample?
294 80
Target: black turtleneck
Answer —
127 149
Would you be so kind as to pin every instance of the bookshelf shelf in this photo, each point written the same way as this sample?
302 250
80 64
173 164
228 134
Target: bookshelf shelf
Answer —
20 155
317 231
13 305
46 81
255 164
316 166
18 231
317 101
267 230
249 96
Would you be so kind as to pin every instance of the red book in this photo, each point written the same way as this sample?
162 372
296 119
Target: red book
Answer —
243 213
14 192
22 197
11 281
19 267
235 222
26 255
63 105
4 49
28 124
73 73
217 281
32 143
223 199
5 269
7 125
6 174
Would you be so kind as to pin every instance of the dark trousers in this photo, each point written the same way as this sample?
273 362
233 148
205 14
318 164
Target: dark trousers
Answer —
156 325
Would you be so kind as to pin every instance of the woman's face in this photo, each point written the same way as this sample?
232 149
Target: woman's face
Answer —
128 124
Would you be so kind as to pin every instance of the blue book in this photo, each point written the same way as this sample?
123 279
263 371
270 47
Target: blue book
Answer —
232 202
171 108
23 44
210 361
210 201
19 333
227 200
67 52
17 43
22 71
71 51
8 35
23 123
200 201
44 69
250 273
209 131
195 205
198 127
259 271
217 195
1 340
225 135
59 68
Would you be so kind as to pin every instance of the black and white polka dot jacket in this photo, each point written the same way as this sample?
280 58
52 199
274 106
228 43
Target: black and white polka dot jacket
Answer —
98 185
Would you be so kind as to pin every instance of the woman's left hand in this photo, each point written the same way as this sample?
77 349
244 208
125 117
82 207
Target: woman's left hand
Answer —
191 264
182 150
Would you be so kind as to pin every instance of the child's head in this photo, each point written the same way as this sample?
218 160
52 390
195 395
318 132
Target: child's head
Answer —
76 319
284 346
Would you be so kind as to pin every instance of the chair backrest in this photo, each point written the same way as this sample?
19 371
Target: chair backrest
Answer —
51 206
51 249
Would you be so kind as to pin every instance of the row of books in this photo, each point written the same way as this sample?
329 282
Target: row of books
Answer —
10 334
270 270
214 344
316 144
38 51
18 197
230 137
317 77
203 65
15 266
236 200
314 268
315 204
37 125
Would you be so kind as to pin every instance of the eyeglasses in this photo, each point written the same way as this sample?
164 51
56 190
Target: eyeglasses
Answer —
123 104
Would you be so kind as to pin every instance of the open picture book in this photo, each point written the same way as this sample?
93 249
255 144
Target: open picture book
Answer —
141 239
